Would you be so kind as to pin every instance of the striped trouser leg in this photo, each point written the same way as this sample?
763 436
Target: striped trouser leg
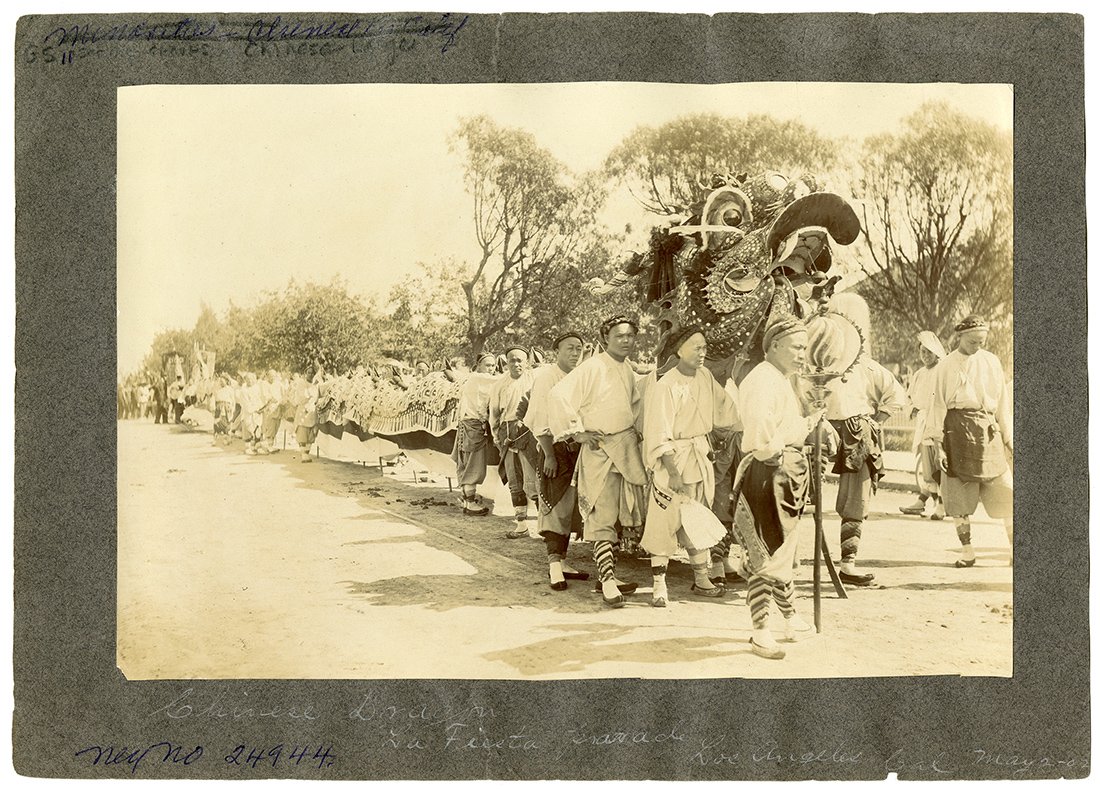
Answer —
758 597
850 532
604 556
722 549
783 592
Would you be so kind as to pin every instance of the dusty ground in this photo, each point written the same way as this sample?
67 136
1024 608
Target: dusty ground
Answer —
232 566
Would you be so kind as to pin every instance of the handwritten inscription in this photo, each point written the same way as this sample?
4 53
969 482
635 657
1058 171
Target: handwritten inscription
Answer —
372 708
445 28
772 753
713 752
263 37
270 757
1018 764
901 761
224 706
172 754
474 727
587 736
115 756
461 736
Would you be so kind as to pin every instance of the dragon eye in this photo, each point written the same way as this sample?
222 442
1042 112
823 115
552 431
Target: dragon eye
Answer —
741 280
777 182
732 217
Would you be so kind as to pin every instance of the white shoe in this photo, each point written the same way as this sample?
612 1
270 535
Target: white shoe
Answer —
916 508
796 628
660 592
763 645
968 558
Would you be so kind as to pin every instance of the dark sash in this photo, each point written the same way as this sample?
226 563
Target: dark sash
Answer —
551 489
973 445
860 442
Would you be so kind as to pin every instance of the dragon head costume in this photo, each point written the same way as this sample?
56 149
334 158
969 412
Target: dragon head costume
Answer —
749 247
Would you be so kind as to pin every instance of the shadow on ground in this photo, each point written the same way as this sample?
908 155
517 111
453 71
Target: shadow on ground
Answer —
575 648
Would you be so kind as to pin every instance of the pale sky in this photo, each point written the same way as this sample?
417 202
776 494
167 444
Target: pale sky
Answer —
229 190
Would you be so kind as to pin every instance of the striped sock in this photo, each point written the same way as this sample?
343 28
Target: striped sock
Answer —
849 540
604 556
722 549
700 569
962 528
782 592
757 597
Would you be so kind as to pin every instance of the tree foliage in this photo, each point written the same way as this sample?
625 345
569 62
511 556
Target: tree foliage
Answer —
167 342
667 167
427 320
937 213
307 322
530 216
287 330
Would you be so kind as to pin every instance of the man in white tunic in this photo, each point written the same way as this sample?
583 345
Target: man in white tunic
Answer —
271 411
512 437
303 396
472 432
857 405
249 399
598 405
776 481
225 407
972 418
559 517
920 393
681 409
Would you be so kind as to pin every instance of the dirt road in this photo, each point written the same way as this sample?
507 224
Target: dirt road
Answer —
234 566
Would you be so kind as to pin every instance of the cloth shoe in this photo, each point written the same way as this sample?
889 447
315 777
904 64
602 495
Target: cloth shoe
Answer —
660 592
616 599
572 574
795 628
473 507
916 508
968 558
764 645
848 575
714 591
557 579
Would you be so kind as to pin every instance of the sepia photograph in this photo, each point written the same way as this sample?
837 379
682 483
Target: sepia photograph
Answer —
564 380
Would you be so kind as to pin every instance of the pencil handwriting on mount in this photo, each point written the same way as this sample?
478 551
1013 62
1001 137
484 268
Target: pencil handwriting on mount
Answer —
442 28
224 706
